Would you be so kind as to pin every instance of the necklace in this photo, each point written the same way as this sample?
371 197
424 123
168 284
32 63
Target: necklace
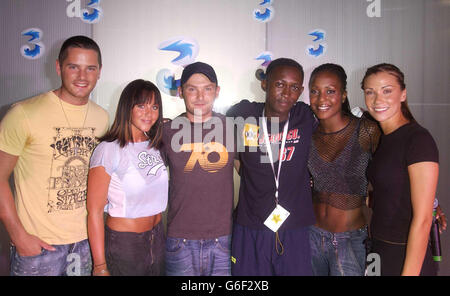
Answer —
76 148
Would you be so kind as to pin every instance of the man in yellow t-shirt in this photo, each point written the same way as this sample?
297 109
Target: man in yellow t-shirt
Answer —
47 141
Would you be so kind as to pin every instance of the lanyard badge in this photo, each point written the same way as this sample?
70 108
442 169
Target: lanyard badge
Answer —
279 214
276 218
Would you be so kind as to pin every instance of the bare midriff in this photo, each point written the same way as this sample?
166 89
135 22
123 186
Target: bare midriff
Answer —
137 225
333 219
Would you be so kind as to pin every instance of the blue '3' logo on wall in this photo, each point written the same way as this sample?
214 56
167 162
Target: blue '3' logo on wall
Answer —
187 49
91 14
265 13
37 48
319 38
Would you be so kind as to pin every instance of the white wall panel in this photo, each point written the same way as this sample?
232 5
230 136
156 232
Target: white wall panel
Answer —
131 31
435 103
352 39
19 77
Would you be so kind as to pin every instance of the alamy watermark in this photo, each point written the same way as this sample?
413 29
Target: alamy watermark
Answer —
374 8
373 265
234 134
74 266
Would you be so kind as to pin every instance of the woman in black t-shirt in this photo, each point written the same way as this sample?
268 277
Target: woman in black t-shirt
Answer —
404 175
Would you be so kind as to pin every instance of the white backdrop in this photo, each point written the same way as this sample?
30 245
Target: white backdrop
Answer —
228 37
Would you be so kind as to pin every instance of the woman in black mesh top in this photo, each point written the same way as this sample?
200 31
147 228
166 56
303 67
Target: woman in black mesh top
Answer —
341 148
404 175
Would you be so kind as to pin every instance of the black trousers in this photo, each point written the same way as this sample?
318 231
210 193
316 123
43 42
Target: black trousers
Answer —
135 254
393 256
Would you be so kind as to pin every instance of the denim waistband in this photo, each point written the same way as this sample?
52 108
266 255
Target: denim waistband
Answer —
344 234
125 234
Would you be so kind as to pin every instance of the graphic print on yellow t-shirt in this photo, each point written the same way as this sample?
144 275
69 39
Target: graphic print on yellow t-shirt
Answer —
72 148
211 156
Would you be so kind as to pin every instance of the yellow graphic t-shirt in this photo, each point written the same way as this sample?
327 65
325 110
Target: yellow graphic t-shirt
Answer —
54 141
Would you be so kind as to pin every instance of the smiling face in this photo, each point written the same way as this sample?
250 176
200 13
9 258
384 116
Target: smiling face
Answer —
79 73
326 96
384 97
199 94
283 87
143 117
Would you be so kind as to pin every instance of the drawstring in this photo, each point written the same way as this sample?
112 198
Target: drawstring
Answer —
278 241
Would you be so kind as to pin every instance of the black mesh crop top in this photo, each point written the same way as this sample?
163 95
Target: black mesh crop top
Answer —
338 162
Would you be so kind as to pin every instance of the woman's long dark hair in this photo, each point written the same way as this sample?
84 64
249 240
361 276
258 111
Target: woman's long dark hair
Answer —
342 76
395 71
136 92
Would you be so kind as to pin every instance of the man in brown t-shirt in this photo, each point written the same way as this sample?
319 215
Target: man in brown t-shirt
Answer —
200 159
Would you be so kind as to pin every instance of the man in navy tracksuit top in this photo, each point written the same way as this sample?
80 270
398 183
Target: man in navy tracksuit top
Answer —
270 233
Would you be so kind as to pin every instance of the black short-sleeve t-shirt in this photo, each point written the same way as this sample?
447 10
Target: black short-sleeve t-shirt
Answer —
388 173
257 187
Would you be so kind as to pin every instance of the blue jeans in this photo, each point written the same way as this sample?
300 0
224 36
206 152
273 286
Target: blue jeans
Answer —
338 254
70 259
205 257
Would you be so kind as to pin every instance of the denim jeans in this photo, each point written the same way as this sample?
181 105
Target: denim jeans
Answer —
205 257
135 254
338 254
70 259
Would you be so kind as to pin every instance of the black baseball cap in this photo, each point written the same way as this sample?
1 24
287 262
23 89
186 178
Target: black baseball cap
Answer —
198 67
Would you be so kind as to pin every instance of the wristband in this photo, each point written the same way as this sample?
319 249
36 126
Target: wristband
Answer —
95 266
104 270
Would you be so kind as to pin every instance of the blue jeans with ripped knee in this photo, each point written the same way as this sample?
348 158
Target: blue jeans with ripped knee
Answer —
338 254
67 260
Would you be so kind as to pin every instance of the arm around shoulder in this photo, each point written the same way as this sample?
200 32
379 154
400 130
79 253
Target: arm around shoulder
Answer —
239 109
